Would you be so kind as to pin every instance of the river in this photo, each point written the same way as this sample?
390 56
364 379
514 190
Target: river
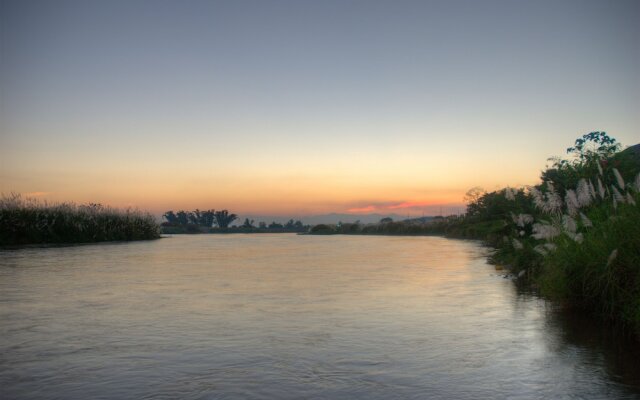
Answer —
282 316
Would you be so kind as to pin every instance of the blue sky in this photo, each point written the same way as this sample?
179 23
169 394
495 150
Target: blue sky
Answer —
270 106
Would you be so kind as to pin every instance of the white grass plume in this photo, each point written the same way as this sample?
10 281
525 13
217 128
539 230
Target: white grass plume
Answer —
569 224
601 190
544 231
583 193
586 222
619 179
572 203
612 257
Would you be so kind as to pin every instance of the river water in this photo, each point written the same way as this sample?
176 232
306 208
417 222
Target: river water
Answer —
292 317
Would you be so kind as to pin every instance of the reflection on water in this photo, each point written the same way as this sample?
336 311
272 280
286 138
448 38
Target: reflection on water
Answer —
285 316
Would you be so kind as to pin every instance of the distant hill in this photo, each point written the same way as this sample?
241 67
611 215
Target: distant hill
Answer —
332 218
629 160
633 151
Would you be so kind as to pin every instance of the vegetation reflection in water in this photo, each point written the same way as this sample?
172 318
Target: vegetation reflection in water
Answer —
286 316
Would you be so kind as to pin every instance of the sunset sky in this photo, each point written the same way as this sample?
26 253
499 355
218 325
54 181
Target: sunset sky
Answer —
305 107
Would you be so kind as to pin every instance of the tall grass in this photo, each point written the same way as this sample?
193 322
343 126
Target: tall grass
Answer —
29 221
582 245
602 271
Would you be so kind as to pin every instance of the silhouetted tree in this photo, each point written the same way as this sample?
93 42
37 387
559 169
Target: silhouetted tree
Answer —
275 225
474 194
386 220
247 223
171 217
183 217
223 218
262 225
193 217
207 218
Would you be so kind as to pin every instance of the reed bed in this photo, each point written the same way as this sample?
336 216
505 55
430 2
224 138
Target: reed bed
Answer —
29 221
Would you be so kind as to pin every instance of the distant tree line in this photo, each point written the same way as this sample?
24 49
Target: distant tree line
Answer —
215 221
206 218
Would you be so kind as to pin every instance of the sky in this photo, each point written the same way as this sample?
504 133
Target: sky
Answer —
305 107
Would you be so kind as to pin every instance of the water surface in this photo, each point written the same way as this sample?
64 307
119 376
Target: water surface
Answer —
290 317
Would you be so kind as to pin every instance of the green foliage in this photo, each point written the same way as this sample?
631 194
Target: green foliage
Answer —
30 222
603 272
590 153
592 259
594 145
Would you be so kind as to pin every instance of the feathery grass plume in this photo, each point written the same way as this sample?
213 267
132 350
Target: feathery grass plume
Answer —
510 194
544 231
572 203
576 237
550 246
538 199
599 167
569 224
13 201
521 219
592 190
516 244
601 190
619 179
540 250
630 199
522 233
615 203
612 257
583 193
553 205
586 222
550 186
636 183
617 195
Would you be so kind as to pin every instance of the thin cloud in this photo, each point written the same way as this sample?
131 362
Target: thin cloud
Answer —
434 207
410 204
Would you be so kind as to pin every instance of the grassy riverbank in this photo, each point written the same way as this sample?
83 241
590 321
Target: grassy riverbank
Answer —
576 235
27 221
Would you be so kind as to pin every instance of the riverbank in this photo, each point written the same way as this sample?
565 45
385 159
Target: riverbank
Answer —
27 221
575 236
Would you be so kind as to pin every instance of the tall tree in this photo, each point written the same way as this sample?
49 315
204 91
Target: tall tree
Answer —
171 217
223 218
183 217
207 218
